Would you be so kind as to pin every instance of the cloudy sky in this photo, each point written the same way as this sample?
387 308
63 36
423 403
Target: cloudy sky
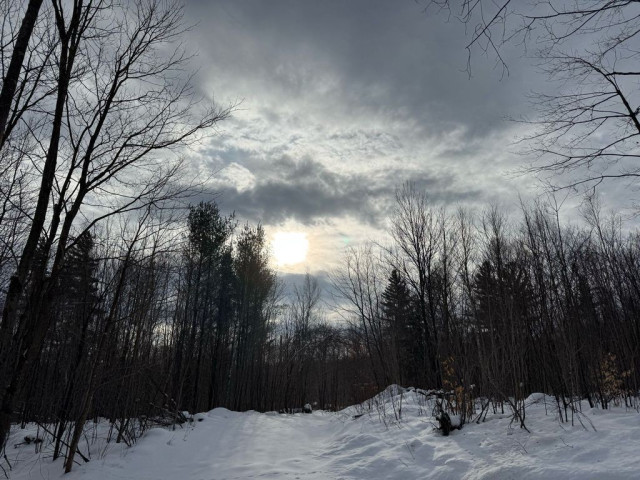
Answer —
340 102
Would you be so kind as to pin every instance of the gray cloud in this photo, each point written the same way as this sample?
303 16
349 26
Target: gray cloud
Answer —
342 102
358 57
309 192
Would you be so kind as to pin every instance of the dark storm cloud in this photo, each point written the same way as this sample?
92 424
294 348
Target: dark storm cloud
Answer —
309 192
389 58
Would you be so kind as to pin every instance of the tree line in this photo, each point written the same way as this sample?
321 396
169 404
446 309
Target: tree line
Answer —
109 309
487 310
153 317
147 324
95 112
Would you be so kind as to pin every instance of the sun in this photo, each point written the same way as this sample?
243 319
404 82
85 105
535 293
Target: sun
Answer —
290 248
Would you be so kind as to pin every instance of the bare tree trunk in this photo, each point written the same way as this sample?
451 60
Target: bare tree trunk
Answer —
87 398
10 81
16 286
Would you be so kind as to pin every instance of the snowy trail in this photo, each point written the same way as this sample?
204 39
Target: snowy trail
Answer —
230 446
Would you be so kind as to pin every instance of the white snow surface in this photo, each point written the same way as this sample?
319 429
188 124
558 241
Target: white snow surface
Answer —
225 445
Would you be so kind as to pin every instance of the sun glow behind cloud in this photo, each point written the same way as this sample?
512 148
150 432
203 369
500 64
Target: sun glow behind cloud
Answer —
290 248
323 138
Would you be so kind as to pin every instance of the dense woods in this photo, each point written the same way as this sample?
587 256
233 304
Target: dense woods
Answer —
147 324
483 306
125 298
145 327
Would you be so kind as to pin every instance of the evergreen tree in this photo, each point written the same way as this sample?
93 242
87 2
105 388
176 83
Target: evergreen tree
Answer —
403 323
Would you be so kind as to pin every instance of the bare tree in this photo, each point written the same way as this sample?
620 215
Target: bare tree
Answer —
589 126
121 108
586 124
359 285
11 78
417 230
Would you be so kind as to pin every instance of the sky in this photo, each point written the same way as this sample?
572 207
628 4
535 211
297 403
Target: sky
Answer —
340 102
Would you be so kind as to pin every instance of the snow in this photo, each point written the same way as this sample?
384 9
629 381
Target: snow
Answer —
392 437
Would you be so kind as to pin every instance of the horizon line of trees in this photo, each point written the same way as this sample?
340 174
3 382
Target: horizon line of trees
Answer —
480 307
153 315
106 309
149 321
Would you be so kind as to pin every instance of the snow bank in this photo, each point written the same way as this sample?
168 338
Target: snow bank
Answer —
391 436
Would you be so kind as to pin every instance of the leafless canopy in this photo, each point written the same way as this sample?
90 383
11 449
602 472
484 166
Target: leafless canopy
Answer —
585 125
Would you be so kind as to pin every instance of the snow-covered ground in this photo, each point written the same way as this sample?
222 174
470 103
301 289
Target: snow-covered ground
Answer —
225 445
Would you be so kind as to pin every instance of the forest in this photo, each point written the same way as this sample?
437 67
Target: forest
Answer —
128 295
142 329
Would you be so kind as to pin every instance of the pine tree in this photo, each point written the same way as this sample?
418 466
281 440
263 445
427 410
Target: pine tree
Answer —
399 310
209 233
